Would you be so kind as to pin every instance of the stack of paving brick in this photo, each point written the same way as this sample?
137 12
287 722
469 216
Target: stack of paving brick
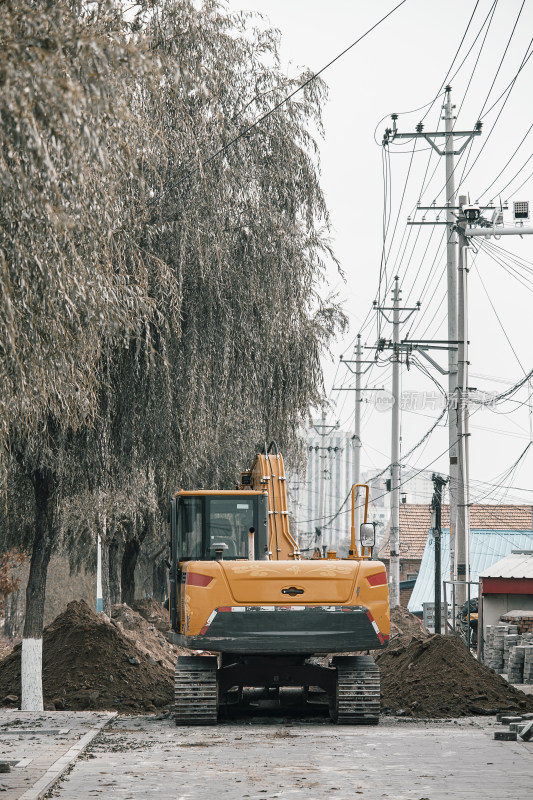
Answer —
514 664
528 664
515 667
510 639
494 647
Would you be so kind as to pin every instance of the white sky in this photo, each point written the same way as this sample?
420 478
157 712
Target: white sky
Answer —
398 67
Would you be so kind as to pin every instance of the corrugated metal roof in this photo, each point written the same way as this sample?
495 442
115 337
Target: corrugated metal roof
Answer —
515 565
487 547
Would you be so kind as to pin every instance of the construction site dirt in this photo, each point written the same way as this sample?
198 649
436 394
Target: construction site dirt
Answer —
125 664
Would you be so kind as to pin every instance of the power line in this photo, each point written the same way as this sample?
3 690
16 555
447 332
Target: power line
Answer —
506 165
499 320
465 175
299 88
491 10
445 81
509 84
502 59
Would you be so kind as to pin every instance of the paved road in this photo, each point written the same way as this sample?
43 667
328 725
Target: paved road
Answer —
145 757
39 747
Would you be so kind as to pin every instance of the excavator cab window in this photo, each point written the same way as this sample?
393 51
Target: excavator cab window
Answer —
211 523
228 523
190 528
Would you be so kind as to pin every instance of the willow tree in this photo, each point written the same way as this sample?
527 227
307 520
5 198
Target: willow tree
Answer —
162 310
72 276
242 227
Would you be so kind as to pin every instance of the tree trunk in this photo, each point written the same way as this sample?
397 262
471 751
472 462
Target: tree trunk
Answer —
127 575
114 580
12 615
160 580
106 594
32 642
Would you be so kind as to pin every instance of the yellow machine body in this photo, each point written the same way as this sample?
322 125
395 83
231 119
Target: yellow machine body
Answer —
256 594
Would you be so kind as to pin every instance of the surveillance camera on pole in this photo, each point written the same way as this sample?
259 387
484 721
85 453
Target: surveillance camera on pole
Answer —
472 213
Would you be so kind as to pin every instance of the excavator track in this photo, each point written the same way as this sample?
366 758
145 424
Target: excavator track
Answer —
358 690
195 690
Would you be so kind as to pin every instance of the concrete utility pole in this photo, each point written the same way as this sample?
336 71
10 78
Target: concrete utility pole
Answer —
322 487
463 493
467 228
394 538
451 277
449 152
356 471
357 445
322 430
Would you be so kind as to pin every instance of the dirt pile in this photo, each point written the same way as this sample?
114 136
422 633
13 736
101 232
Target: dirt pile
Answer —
405 626
436 676
153 612
91 662
145 636
6 646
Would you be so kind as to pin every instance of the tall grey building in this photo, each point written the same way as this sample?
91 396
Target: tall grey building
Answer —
330 458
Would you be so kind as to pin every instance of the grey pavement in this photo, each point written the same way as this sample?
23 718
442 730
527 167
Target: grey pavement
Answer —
146 757
40 747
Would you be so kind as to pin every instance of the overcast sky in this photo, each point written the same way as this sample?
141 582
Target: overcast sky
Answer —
400 67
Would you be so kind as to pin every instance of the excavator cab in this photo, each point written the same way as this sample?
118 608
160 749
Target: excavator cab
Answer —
254 612
214 526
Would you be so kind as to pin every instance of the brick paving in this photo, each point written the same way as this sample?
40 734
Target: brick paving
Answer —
41 746
139 757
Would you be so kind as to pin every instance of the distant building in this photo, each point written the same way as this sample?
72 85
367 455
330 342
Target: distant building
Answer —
331 455
495 531
507 588
416 486
414 528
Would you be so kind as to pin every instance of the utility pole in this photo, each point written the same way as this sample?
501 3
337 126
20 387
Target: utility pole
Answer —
449 152
356 464
356 471
461 415
322 430
394 539
471 224
436 503
451 278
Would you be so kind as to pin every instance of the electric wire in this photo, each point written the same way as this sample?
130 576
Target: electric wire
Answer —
506 165
502 59
286 99
491 12
466 174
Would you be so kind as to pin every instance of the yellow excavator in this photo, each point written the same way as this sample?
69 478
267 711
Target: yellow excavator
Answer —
254 612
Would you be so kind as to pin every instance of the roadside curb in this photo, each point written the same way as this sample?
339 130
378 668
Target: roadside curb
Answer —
57 769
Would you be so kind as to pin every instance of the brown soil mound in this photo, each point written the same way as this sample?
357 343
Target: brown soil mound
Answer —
6 646
153 612
438 677
405 626
145 636
92 662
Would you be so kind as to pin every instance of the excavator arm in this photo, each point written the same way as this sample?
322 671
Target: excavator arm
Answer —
268 474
